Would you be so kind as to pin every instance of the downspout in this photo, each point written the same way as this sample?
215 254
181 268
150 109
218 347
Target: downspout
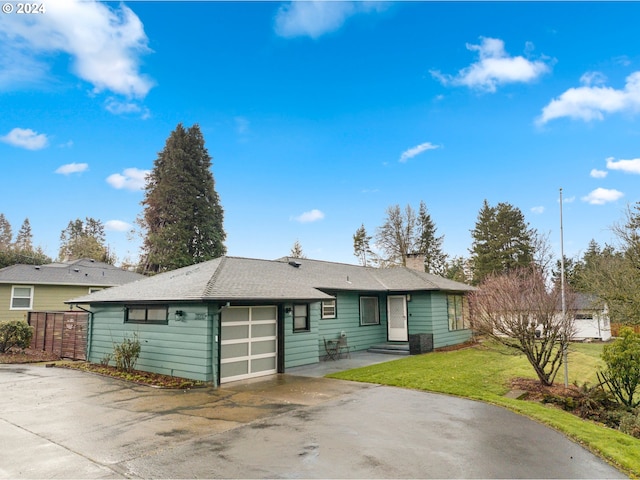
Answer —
216 362
89 329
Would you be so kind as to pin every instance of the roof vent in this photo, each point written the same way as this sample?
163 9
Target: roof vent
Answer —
294 263
76 270
37 267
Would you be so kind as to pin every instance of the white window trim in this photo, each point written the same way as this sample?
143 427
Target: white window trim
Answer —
31 289
330 304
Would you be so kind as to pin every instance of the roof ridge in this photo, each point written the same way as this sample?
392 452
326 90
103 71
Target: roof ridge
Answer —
211 282
419 275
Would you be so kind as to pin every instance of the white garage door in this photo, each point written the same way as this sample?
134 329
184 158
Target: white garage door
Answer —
248 342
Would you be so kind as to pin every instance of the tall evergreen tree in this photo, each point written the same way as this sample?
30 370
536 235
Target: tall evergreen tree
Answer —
502 241
182 218
296 250
6 234
361 246
24 238
84 239
428 244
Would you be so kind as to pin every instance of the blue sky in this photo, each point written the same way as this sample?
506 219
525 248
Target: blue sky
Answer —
320 115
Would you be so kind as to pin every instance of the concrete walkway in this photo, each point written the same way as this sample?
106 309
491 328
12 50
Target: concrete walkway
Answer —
57 423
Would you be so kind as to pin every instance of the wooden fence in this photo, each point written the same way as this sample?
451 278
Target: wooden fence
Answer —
62 333
615 328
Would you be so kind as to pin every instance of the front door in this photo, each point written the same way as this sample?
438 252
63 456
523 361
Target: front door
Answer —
397 318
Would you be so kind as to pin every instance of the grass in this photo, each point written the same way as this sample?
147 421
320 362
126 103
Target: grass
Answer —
484 373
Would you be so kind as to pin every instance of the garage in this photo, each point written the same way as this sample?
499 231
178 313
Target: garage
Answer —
248 346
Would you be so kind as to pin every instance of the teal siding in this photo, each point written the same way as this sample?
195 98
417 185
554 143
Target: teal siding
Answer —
359 337
421 317
442 336
182 348
301 347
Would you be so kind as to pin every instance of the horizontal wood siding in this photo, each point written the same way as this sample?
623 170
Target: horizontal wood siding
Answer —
442 336
359 337
420 313
301 348
182 348
46 298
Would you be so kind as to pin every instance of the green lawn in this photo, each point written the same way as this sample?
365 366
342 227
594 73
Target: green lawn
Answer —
483 373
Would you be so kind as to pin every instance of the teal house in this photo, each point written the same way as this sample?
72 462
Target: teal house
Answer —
234 318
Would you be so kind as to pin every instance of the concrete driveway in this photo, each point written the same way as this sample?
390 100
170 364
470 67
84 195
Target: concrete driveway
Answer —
57 423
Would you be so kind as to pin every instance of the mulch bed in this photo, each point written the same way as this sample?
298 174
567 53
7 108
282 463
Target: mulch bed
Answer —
28 355
537 392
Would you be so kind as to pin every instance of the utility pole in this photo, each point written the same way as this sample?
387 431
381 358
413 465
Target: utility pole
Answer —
564 304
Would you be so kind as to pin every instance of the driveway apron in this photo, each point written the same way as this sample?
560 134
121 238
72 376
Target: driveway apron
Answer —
58 423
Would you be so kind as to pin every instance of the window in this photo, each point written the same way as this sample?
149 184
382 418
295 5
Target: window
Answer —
328 309
369 312
21 298
301 318
147 314
457 312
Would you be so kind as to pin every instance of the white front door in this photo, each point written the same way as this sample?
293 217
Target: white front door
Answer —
248 342
397 318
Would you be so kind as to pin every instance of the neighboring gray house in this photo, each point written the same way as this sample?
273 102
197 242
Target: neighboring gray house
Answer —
233 318
591 319
27 288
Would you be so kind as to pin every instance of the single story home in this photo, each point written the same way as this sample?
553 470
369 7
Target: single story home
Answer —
28 288
234 318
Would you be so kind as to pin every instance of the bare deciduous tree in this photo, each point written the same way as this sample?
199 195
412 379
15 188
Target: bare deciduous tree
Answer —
517 310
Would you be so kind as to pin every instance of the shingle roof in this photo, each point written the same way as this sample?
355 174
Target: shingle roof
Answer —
235 278
77 272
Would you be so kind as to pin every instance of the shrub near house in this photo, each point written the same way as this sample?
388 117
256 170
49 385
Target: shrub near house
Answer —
14 334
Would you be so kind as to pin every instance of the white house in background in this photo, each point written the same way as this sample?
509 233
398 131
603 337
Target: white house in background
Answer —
591 319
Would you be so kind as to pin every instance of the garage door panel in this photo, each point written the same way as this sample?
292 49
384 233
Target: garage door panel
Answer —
234 332
263 364
248 346
264 313
259 348
235 315
235 350
268 330
234 369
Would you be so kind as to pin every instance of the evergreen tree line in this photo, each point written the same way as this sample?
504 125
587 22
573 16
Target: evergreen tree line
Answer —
503 242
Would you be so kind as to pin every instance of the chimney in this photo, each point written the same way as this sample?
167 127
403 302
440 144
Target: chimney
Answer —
415 261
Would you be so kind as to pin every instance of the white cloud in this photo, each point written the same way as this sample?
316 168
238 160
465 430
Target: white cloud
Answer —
592 102
595 173
494 67
310 216
104 45
70 168
417 150
118 107
130 179
314 18
538 210
25 138
117 226
569 199
600 196
627 166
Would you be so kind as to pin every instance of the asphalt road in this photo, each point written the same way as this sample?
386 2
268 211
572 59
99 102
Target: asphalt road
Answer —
57 423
